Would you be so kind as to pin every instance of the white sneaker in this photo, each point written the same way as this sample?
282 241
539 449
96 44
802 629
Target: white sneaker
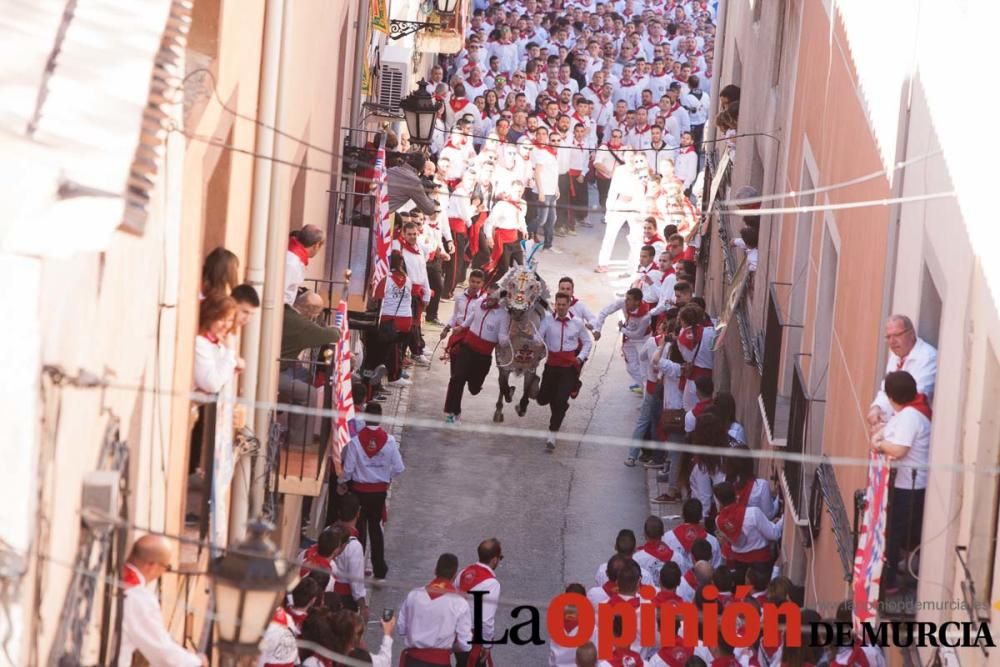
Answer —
550 442
422 360
401 382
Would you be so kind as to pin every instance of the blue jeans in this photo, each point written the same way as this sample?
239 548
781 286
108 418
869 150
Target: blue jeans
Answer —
648 413
545 223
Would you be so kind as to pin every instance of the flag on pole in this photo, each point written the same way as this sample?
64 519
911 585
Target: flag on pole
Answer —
380 16
343 394
383 230
869 558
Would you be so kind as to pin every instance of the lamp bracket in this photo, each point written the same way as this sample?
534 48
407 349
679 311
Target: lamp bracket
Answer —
399 29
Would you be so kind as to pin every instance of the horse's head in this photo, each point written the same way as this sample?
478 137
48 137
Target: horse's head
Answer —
523 288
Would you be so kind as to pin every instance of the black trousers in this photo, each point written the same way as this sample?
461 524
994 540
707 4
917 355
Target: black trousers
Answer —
435 276
530 198
370 524
482 258
455 268
579 201
698 133
905 522
557 384
603 186
388 352
467 367
512 252
415 340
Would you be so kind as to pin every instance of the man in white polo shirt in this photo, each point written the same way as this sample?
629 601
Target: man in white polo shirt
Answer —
907 353
905 438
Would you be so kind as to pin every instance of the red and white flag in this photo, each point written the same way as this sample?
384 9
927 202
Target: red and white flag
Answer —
343 395
383 223
870 556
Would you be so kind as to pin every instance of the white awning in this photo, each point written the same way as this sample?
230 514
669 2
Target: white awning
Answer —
81 84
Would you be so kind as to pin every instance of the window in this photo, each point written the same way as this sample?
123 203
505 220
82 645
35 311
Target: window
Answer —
986 494
826 301
798 416
773 334
929 321
800 274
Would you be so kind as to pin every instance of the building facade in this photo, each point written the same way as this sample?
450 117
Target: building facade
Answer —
830 101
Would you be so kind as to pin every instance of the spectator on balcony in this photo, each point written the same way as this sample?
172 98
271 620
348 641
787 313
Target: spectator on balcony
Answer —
143 629
215 361
247 304
303 244
909 353
219 272
905 438
404 185
300 332
748 244
728 95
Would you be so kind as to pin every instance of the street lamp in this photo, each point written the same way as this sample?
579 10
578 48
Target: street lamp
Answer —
420 109
399 29
247 583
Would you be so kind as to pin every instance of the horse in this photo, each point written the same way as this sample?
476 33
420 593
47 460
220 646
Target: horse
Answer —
526 299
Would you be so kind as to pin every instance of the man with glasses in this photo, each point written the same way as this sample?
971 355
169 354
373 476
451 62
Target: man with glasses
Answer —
907 352
143 629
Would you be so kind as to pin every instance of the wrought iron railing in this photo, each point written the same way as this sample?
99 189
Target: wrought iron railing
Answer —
798 417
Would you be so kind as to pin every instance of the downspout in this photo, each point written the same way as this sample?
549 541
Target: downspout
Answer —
360 46
720 49
272 310
240 502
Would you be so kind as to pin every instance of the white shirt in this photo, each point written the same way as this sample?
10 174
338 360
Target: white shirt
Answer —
397 300
546 172
702 483
910 428
443 622
650 287
601 578
758 531
670 374
214 364
349 567
490 324
143 630
636 325
701 106
686 166
580 310
761 498
490 601
565 335
560 656
380 468
381 659
750 252
656 158
295 273
462 307
921 363
652 565
671 540
505 215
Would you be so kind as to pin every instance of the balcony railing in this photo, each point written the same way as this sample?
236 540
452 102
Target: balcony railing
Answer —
798 417
304 437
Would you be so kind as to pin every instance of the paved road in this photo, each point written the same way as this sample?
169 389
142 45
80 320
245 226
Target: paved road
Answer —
556 514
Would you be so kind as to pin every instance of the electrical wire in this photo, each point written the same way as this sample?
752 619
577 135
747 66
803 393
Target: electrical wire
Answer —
950 194
604 440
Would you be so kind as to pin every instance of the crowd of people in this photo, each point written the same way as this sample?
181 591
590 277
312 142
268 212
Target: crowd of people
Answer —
549 103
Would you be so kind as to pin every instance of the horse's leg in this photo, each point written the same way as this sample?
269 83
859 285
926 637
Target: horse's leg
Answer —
498 412
526 396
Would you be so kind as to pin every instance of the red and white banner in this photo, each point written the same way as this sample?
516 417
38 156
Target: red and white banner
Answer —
343 395
870 556
382 226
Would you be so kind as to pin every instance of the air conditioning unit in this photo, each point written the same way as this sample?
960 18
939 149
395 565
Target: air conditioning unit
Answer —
99 503
394 77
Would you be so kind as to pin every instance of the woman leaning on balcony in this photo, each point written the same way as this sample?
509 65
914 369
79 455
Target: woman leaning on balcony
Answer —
214 361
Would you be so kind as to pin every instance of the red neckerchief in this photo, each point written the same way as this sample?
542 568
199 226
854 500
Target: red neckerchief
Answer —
625 656
920 405
515 204
410 248
474 575
633 601
611 588
730 520
700 406
691 579
655 238
439 587
372 440
626 82
639 312
857 657
545 147
131 576
677 655
658 550
687 149
210 337
296 248
691 336
570 622
596 90
641 130
457 103
489 304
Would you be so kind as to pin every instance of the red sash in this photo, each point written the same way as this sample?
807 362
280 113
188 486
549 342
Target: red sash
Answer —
691 580
433 656
561 359
501 237
477 344
472 576
474 230
687 533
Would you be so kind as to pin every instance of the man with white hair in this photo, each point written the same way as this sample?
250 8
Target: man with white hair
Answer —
907 352
626 198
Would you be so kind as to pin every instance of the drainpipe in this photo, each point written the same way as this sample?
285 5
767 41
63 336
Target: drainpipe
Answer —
360 47
720 49
272 310
240 503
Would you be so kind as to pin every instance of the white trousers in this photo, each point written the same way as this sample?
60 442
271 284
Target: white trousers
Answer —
615 222
630 349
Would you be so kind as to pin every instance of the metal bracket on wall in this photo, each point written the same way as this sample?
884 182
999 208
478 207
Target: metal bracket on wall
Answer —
399 29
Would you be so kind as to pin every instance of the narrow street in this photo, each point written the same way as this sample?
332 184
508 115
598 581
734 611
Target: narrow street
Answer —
555 514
